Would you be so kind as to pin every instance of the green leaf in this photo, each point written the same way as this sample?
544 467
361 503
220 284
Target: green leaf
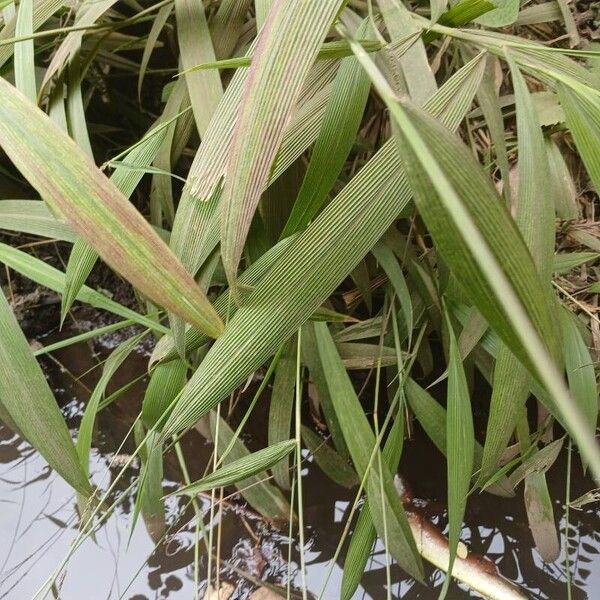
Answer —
274 82
78 192
280 409
567 261
364 534
413 63
582 109
33 217
480 243
166 382
86 427
195 45
240 469
387 512
460 440
330 462
580 368
83 256
312 265
24 52
505 13
26 397
338 133
534 216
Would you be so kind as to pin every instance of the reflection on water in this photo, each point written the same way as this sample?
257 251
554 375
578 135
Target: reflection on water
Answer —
38 521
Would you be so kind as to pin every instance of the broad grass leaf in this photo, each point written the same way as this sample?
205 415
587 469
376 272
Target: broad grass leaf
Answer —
562 184
432 417
481 244
227 24
567 261
460 440
24 52
83 257
149 499
33 217
165 349
538 462
387 512
385 257
534 215
157 26
313 264
413 63
312 360
505 13
26 397
580 368
166 382
540 515
86 427
93 206
274 82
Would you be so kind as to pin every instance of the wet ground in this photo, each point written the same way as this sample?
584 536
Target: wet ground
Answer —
38 520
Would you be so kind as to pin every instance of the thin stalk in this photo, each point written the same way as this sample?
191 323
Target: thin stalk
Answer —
299 465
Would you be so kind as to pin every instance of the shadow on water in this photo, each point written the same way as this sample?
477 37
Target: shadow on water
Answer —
38 518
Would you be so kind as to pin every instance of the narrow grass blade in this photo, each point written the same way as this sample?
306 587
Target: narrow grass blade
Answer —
413 63
338 133
534 216
46 275
580 368
165 384
80 194
328 460
26 397
365 534
240 469
162 16
33 217
460 440
24 52
583 117
86 427
196 46
280 409
83 257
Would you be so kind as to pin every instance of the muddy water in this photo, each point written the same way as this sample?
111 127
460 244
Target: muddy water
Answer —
38 520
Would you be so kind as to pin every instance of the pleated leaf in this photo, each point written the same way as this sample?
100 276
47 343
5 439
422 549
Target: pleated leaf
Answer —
583 117
480 242
313 264
77 191
274 81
